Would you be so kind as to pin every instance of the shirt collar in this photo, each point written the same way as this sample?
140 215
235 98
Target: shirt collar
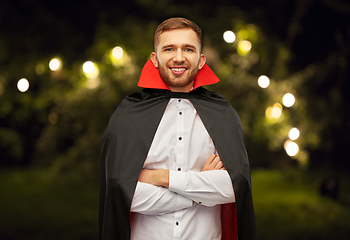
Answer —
150 77
184 99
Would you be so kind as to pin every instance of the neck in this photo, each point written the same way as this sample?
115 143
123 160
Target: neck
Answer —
185 89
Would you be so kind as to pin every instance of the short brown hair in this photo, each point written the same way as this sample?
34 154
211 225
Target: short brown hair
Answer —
176 23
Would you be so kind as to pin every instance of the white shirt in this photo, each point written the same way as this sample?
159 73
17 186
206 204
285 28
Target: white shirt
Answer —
181 145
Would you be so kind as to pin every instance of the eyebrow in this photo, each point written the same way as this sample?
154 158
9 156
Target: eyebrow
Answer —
168 46
190 46
185 45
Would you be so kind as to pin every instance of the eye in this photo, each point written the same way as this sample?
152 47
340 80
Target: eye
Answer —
189 50
167 49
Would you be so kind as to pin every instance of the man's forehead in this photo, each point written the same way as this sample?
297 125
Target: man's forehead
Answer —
183 36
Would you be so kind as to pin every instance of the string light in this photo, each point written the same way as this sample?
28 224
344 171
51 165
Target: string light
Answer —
55 64
288 100
244 47
229 36
23 85
91 69
276 111
294 134
263 81
291 148
117 53
119 57
88 67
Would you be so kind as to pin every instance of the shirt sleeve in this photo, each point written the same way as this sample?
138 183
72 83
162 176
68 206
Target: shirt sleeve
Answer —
152 200
207 188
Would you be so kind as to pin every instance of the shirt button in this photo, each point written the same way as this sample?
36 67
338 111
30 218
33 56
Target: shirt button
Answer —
180 113
177 223
179 169
180 138
179 100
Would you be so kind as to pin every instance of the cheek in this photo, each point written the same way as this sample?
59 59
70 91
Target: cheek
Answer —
195 60
161 62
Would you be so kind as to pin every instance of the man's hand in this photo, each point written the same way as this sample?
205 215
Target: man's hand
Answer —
213 163
156 177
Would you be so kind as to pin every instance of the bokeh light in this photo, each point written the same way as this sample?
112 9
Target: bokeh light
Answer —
276 111
23 85
244 47
288 100
117 53
268 112
88 67
55 64
229 36
119 57
91 69
294 134
291 148
263 81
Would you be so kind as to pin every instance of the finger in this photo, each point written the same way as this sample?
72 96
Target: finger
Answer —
215 162
210 159
219 166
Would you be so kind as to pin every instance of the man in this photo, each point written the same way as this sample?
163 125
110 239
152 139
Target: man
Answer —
174 162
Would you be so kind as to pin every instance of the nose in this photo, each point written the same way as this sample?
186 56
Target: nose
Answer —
179 56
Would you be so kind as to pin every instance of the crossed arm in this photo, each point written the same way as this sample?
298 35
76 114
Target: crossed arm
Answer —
160 191
160 177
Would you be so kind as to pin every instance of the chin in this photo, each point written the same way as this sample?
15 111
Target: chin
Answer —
178 84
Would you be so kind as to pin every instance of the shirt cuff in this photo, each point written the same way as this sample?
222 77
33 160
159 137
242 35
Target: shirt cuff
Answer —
177 181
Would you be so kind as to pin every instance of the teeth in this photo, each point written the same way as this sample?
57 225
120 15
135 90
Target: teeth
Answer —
178 69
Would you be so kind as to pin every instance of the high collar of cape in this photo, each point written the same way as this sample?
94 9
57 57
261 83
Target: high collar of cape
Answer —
150 77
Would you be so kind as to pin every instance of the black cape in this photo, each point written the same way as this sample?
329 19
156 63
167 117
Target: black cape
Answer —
128 138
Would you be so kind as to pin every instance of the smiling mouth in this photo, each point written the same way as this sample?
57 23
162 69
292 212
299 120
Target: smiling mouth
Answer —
178 70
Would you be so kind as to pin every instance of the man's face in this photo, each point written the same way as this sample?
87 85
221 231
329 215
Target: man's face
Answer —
178 58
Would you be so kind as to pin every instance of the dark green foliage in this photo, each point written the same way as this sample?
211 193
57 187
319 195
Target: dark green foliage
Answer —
59 121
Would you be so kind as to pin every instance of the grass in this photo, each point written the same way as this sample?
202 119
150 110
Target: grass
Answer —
36 205
288 206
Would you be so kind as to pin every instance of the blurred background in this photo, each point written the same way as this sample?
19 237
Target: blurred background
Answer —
66 65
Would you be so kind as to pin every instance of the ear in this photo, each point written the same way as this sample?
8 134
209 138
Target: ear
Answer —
154 59
201 62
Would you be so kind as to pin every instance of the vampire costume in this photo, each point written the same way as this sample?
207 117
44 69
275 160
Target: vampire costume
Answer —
128 138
